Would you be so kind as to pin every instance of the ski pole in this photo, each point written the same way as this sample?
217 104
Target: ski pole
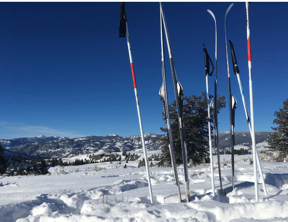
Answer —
178 90
124 28
251 103
164 98
236 71
207 73
215 103
230 98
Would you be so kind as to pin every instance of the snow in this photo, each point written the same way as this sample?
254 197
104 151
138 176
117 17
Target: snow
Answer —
109 192
112 135
41 136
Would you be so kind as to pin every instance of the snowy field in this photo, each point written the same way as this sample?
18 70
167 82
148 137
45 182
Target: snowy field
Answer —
109 192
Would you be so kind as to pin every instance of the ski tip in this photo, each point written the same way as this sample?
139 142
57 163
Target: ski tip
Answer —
211 13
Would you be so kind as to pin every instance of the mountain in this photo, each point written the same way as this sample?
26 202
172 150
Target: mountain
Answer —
241 138
56 147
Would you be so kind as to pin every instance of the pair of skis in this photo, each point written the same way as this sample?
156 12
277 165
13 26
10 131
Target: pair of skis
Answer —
178 90
251 126
208 60
214 105
232 102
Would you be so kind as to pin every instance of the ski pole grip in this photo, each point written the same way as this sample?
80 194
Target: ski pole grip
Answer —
206 61
234 61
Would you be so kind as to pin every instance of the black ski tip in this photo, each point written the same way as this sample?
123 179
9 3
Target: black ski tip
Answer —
123 20
204 45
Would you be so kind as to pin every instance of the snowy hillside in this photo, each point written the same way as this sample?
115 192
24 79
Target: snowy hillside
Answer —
62 147
110 192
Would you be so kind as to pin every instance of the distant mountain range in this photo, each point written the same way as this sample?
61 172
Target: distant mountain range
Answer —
56 147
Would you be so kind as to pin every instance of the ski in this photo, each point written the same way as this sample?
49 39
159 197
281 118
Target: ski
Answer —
207 59
251 102
164 99
178 89
123 32
236 71
215 119
230 100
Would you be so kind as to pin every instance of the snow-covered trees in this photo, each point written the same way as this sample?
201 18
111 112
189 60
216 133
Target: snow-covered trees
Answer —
3 160
196 129
279 139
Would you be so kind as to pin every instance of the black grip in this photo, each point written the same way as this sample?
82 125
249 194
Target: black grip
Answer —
123 20
234 61
206 61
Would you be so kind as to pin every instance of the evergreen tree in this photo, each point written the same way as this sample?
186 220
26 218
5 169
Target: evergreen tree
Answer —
4 163
141 163
15 168
35 166
43 167
195 119
53 162
60 162
279 139
21 169
28 169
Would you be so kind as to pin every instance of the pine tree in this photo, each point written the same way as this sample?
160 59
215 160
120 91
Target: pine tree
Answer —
43 167
15 168
21 169
60 162
279 139
53 162
4 163
28 169
35 166
195 118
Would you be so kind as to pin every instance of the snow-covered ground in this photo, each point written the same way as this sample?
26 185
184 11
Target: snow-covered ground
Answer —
109 192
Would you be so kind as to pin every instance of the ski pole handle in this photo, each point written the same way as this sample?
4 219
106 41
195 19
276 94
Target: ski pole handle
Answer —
123 20
234 61
206 62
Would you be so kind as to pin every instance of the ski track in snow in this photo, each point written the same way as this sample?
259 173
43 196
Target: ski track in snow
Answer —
76 194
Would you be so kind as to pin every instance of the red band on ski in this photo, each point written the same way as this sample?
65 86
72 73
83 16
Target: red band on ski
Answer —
133 75
249 49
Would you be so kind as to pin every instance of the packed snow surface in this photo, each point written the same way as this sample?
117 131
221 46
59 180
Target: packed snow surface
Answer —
110 192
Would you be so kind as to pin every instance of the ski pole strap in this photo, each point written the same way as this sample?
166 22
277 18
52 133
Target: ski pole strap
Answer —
234 61
123 20
207 59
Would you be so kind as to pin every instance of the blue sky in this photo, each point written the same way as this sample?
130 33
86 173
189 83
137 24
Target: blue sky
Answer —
65 71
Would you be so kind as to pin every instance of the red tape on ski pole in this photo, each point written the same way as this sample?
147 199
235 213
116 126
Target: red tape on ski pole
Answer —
249 49
133 75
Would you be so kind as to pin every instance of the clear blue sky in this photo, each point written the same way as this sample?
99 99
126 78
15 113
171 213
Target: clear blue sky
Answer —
65 71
